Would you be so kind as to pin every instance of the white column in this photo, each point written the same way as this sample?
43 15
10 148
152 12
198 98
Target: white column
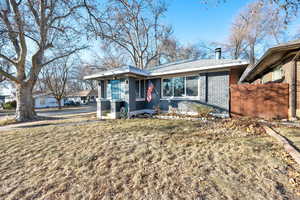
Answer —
99 110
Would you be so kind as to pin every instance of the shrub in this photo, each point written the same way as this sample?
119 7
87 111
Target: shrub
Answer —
202 110
10 105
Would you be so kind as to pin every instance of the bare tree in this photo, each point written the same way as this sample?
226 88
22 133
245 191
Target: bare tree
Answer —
55 77
172 50
290 8
33 31
252 28
133 26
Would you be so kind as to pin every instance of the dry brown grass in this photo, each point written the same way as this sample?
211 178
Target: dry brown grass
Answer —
7 121
144 159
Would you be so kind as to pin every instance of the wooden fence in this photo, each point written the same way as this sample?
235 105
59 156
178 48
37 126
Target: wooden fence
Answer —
267 101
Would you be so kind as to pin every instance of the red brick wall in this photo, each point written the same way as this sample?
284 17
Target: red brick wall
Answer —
260 100
298 89
234 76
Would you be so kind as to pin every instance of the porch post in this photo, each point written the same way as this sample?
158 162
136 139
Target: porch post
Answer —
130 98
99 110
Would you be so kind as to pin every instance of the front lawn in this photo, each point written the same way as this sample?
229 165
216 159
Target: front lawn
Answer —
145 159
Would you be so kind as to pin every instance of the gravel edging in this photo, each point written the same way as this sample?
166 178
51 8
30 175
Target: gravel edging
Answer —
204 119
286 144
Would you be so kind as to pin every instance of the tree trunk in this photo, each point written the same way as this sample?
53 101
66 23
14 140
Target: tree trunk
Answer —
252 54
59 103
25 103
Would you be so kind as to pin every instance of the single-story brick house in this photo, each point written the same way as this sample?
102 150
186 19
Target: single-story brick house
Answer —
204 81
280 64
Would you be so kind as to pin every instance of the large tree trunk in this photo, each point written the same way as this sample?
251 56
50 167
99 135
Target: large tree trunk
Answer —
59 103
25 103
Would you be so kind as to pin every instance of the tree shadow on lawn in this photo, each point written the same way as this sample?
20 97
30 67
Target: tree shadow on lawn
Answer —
12 121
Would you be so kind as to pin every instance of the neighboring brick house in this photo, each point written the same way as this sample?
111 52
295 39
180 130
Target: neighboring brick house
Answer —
204 81
280 64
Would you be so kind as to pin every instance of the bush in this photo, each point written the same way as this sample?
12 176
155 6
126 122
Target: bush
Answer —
202 110
10 105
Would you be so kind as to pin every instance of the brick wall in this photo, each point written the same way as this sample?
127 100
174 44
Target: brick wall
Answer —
298 89
234 76
260 100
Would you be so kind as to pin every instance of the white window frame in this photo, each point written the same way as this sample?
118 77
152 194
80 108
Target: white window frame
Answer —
184 97
139 98
276 69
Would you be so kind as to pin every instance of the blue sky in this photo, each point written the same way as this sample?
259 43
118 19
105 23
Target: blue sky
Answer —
194 21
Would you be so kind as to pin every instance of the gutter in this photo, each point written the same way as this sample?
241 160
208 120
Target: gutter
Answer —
152 74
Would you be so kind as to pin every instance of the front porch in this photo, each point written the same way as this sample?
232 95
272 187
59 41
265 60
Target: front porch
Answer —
115 109
122 94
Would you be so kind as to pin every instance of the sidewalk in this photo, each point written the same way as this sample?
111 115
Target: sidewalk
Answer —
61 120
291 133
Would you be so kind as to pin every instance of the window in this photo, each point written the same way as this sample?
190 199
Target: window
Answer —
137 88
180 87
167 88
140 89
192 86
108 90
143 91
115 89
42 100
277 73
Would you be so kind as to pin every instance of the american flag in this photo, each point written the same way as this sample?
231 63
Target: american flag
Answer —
149 91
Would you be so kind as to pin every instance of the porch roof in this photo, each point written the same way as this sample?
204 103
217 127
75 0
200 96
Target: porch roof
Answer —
117 72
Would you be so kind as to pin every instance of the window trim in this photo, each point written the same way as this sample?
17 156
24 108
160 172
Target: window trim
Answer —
139 97
278 68
184 97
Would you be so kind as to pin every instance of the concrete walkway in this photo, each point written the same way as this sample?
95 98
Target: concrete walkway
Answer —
58 113
288 144
51 116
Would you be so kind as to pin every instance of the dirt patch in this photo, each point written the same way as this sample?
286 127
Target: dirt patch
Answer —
145 159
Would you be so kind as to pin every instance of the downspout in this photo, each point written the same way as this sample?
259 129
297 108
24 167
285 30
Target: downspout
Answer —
294 86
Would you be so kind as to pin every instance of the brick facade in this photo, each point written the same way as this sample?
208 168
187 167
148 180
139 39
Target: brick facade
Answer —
234 76
298 89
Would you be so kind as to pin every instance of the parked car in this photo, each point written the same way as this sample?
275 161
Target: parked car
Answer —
72 103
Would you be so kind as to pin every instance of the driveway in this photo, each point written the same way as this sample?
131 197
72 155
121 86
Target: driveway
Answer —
59 113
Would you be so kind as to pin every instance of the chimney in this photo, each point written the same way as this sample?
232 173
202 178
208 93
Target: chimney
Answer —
218 52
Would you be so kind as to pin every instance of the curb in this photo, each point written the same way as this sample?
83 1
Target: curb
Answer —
287 146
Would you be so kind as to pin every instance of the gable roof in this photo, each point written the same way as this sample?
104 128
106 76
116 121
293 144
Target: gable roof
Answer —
184 66
271 56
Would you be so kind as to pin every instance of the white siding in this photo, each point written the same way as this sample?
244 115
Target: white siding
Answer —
46 102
